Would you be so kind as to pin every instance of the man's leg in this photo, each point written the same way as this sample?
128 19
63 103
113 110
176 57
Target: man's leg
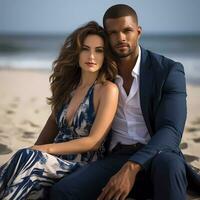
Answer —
168 176
87 182
143 187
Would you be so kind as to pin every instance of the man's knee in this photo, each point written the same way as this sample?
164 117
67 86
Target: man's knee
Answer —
167 164
168 176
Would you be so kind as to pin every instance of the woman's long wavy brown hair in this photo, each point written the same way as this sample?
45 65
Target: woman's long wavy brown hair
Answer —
66 71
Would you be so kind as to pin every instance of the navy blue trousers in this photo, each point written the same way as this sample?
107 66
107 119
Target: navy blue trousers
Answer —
164 180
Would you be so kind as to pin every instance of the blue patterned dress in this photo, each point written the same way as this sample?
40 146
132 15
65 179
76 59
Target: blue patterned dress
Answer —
30 173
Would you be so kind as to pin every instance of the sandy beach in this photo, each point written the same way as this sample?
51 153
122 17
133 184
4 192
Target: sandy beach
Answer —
24 111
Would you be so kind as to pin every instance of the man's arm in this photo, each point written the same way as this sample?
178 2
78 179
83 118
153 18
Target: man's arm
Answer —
169 118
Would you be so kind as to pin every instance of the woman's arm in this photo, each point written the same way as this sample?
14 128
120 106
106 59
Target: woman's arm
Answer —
49 131
105 113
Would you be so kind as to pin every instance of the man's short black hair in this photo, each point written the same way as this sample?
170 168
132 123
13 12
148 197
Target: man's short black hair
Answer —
119 10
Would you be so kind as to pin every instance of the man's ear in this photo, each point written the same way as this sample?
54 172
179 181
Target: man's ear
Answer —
139 31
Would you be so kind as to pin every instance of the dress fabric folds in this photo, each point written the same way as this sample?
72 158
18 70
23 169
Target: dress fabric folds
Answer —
30 173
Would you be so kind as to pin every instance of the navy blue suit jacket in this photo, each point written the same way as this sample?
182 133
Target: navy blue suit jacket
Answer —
163 104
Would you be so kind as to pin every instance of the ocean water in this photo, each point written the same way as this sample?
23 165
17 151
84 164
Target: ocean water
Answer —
39 51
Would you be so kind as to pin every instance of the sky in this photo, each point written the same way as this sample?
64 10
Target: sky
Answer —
63 16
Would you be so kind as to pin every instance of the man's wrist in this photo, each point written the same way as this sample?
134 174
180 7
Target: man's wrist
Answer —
134 167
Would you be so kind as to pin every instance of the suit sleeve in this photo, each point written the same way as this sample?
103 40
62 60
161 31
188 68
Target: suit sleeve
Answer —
169 118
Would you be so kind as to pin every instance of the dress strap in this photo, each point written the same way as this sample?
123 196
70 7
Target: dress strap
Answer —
91 88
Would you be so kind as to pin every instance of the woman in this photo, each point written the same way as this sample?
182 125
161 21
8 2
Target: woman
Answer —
84 101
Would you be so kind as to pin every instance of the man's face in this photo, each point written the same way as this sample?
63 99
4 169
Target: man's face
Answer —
124 34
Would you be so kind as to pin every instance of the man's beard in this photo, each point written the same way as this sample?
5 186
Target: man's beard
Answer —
122 54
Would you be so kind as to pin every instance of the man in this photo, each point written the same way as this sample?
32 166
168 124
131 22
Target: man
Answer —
144 160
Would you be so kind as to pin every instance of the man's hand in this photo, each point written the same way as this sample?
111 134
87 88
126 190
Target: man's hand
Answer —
119 185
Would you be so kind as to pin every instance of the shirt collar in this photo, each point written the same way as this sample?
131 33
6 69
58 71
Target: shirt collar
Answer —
136 69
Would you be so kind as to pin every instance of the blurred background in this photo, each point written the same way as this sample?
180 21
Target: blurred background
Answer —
32 31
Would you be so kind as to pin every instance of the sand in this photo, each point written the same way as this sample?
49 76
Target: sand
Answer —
24 111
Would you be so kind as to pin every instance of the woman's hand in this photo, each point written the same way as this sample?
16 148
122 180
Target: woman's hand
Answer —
43 148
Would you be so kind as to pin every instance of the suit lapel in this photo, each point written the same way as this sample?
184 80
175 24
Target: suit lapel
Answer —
146 87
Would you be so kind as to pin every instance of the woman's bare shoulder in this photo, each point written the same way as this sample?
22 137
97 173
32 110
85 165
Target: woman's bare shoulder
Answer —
108 88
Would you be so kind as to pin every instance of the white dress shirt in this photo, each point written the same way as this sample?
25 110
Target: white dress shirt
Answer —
128 125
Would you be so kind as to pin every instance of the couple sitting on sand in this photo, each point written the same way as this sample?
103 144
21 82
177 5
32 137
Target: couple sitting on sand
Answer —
118 114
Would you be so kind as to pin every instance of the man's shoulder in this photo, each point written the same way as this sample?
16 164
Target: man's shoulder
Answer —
158 57
159 61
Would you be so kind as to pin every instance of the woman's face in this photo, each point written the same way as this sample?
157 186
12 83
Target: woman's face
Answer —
92 54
